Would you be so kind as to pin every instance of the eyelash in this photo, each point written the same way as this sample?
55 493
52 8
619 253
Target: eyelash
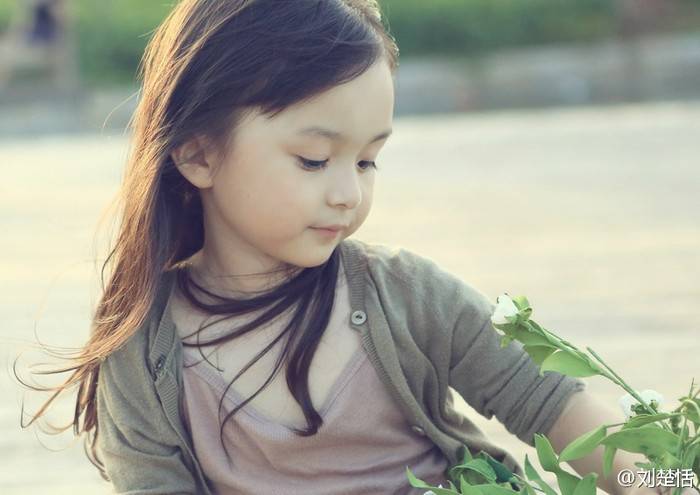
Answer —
317 165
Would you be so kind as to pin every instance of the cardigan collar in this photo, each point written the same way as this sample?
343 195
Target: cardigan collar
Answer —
162 328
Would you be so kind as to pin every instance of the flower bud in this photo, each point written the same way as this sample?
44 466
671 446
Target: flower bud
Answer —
630 405
505 308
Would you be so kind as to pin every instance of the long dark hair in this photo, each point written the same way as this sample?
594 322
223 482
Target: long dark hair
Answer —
208 60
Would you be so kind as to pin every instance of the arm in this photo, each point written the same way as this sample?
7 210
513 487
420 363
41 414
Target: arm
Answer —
506 382
140 454
583 413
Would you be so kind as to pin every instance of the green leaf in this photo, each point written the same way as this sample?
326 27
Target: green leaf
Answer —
691 455
608 457
554 340
482 467
587 486
531 338
415 482
521 302
464 453
473 477
583 445
533 476
546 454
643 419
505 340
548 459
567 482
507 328
466 488
502 472
692 409
472 473
648 440
568 364
669 461
539 353
494 490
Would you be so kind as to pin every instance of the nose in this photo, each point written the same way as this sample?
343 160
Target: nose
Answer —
345 186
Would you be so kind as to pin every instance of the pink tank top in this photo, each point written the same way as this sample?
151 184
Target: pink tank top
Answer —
363 446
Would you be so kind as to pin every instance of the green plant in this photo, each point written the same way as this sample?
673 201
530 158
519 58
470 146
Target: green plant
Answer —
664 438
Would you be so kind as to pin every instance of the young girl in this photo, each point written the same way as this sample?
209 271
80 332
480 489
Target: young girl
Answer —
254 155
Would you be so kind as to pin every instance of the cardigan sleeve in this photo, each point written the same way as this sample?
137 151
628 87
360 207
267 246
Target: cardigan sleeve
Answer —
451 330
139 454
504 382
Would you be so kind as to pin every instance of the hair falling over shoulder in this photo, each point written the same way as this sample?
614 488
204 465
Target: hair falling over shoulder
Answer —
206 62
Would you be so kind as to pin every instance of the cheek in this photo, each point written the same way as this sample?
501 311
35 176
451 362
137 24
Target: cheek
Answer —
367 194
365 206
262 190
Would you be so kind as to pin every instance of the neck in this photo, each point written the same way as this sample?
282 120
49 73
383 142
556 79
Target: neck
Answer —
206 272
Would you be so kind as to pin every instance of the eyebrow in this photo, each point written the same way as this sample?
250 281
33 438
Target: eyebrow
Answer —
335 135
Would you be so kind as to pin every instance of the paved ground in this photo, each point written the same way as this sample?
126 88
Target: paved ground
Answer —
594 214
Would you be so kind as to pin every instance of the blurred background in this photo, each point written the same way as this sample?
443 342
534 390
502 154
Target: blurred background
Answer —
546 148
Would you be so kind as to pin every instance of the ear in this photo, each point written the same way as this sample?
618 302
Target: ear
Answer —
197 161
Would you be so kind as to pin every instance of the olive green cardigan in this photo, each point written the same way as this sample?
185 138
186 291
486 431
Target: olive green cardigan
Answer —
423 329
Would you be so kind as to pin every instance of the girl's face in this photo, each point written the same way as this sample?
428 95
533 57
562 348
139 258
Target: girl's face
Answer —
308 167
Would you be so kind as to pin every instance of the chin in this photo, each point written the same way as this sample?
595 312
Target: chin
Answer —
312 258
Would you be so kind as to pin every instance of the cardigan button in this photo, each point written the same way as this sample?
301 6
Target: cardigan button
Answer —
159 364
358 317
417 429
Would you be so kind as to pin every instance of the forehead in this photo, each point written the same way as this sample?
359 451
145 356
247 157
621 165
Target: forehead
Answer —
358 110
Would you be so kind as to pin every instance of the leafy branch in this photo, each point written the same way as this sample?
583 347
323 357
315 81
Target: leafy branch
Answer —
664 438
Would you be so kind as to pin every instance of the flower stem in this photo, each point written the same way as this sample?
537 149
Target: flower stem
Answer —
607 372
616 424
680 438
618 379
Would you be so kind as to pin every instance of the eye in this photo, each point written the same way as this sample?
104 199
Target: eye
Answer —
367 164
320 164
312 164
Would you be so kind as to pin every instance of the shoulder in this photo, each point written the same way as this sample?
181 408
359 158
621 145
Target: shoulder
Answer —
130 365
417 282
127 367
127 392
397 262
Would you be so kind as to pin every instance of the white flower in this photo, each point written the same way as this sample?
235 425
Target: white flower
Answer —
430 492
627 401
504 307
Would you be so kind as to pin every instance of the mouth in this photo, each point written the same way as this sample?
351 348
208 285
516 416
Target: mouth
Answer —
330 231
335 227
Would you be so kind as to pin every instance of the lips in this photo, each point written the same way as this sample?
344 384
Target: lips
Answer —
334 227
329 232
